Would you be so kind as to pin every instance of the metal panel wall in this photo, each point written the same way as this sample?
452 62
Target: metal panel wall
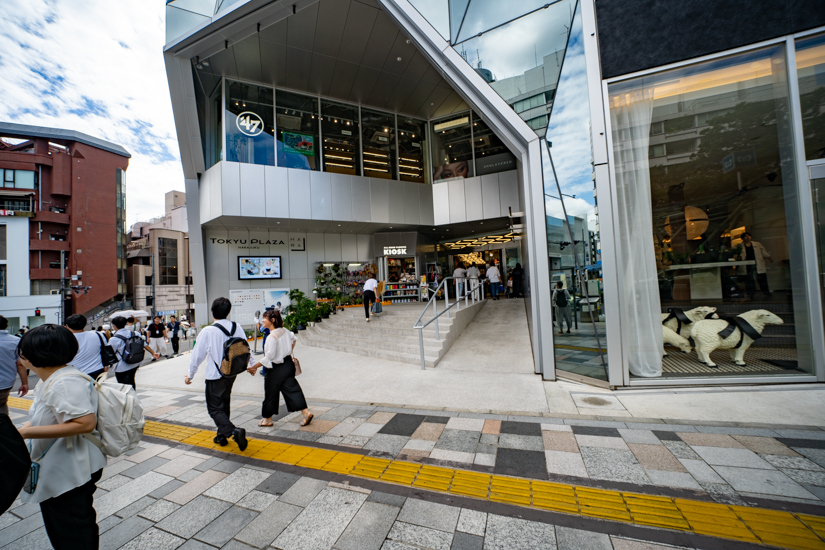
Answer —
349 247
508 192
332 247
458 212
230 189
396 201
473 199
341 197
321 195
412 214
298 260
253 190
379 200
441 203
277 192
491 201
299 195
361 209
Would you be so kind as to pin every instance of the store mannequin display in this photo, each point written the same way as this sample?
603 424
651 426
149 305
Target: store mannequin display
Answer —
671 338
735 334
681 322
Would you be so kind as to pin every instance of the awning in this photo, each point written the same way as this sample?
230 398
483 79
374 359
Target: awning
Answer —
141 253
16 192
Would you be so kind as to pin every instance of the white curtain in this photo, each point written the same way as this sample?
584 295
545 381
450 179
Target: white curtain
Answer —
630 115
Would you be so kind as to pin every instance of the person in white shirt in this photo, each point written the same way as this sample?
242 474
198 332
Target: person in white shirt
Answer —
64 408
494 276
472 280
209 347
458 275
370 288
125 372
88 359
281 376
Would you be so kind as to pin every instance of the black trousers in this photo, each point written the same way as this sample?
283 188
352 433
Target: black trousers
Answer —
127 377
369 297
516 288
280 379
175 343
96 373
218 396
70 518
761 278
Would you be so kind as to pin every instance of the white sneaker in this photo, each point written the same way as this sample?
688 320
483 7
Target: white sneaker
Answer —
368 319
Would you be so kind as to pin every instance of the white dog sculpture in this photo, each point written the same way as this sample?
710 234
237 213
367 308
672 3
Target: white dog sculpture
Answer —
670 337
706 335
676 333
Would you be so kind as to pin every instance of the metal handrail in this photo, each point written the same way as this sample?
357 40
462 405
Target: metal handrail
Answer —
467 292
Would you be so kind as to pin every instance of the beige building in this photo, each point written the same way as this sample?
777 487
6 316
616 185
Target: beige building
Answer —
161 247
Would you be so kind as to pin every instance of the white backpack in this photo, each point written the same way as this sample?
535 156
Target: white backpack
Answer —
119 417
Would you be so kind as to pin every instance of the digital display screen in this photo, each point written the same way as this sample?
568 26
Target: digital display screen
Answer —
259 267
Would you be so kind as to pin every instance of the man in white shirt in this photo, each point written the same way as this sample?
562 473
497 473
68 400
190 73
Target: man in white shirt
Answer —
87 360
472 280
458 276
494 276
209 347
124 371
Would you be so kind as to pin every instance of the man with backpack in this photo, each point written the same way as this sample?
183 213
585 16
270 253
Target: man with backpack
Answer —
173 330
91 347
561 299
130 349
222 346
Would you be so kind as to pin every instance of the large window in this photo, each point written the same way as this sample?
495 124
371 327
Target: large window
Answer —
339 126
411 150
168 256
18 179
810 64
490 152
249 117
707 200
379 144
297 123
452 147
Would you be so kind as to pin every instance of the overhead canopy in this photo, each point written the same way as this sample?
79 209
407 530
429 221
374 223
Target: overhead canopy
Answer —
130 313
140 253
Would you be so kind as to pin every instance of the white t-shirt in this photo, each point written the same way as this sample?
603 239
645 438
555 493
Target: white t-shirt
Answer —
459 274
119 344
493 275
88 359
278 346
371 284
473 273
210 347
71 461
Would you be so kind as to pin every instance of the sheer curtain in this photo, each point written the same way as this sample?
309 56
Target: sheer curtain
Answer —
630 114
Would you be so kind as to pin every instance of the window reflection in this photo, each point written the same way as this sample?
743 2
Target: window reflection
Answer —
483 15
249 131
810 65
437 14
452 147
411 147
297 131
379 144
339 125
490 152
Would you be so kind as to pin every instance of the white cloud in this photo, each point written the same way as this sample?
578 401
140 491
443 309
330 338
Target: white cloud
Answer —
96 67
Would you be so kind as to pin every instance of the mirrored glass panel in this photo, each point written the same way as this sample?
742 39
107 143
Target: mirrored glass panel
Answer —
525 72
297 123
437 14
411 147
810 65
379 144
709 221
490 152
483 15
249 132
580 343
452 147
339 126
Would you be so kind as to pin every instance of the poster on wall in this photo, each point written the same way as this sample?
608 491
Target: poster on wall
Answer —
259 267
247 302
299 143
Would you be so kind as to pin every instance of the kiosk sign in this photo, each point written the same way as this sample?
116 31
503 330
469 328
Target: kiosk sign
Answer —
395 251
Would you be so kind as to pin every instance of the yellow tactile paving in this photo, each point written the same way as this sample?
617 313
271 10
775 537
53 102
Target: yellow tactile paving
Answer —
776 528
756 525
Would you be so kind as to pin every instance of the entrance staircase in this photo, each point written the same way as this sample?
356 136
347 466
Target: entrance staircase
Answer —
390 335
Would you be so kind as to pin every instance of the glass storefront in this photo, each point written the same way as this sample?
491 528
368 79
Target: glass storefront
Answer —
491 155
339 125
452 148
248 117
297 121
708 203
810 66
412 146
379 144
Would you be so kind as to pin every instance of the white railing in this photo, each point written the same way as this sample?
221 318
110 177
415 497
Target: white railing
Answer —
469 299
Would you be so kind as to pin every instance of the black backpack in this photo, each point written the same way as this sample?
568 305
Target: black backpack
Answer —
236 353
133 351
561 299
107 352
15 463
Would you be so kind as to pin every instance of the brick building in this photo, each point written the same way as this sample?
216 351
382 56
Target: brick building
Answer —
61 192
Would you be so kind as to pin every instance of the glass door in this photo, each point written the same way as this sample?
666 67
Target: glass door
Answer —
818 186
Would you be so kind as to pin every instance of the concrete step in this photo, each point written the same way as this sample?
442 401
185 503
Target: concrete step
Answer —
368 330
317 340
401 357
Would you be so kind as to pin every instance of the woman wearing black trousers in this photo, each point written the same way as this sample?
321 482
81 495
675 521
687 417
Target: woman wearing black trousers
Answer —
280 378
370 289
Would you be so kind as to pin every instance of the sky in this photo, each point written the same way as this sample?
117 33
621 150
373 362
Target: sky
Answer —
95 66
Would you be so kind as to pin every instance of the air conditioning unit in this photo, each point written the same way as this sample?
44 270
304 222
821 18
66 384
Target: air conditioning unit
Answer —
54 291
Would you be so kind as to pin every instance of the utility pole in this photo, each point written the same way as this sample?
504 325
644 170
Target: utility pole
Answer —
62 287
153 284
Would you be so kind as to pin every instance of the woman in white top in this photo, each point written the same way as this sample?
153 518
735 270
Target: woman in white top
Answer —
64 408
370 288
280 376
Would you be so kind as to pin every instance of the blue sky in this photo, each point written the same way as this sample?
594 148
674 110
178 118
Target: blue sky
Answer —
95 66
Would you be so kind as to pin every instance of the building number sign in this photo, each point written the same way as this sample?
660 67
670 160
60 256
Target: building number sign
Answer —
249 124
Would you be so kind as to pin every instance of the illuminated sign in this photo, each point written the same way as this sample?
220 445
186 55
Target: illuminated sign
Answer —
451 124
395 250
